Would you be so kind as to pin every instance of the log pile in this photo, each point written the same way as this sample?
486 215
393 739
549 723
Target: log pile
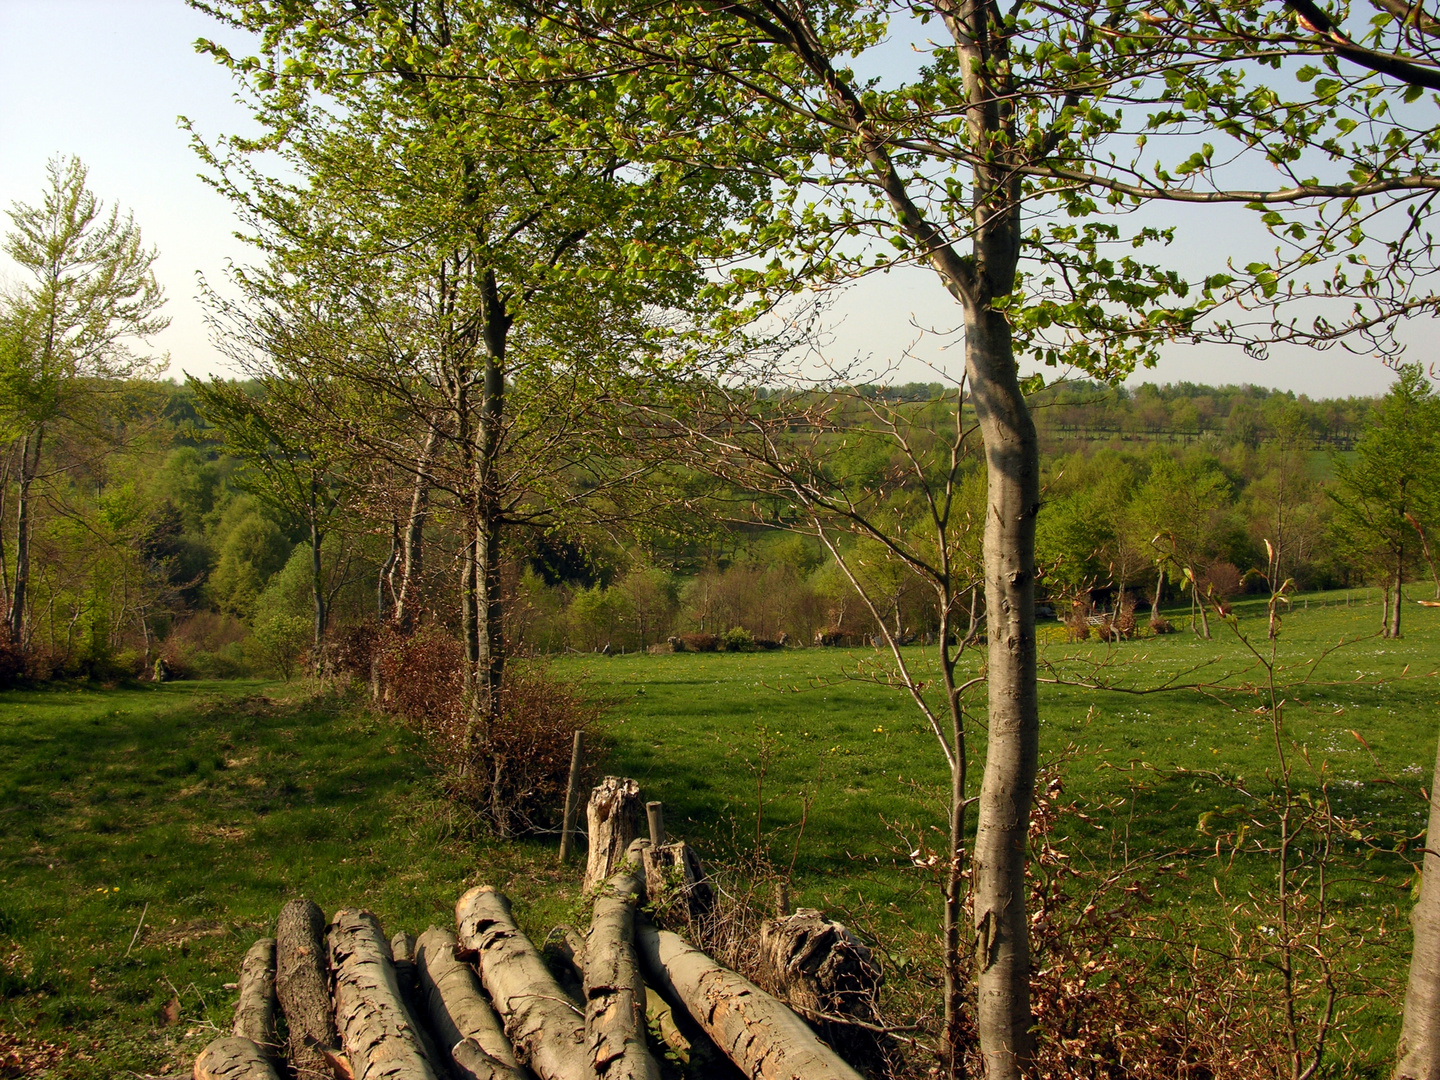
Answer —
338 1000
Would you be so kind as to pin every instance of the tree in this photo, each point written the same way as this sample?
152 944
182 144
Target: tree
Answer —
1392 483
1180 504
65 333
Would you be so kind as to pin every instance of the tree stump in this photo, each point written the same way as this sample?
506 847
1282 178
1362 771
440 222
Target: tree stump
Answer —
548 1033
674 876
257 1011
827 975
613 815
614 990
381 1038
463 1021
754 1030
302 984
234 1058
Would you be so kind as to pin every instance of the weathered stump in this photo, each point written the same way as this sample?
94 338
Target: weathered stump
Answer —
547 1032
614 990
302 984
673 875
757 1032
234 1058
828 976
381 1038
613 816
258 1011
464 1024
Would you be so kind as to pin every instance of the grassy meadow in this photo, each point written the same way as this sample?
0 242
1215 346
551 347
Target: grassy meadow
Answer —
193 810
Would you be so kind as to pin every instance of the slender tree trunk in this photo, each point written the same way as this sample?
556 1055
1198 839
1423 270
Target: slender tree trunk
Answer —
317 570
1204 617
413 557
19 595
1399 593
1419 1049
387 572
490 626
1012 458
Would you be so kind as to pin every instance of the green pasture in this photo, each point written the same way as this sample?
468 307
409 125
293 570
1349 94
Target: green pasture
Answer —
203 806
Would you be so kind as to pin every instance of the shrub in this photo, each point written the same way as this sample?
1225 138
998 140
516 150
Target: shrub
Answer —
1222 579
1077 623
510 769
738 639
278 640
1161 625
13 666
700 642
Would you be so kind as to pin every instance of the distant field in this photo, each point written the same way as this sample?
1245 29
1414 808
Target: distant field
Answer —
203 806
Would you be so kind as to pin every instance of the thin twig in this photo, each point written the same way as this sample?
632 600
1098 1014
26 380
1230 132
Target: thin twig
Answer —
135 936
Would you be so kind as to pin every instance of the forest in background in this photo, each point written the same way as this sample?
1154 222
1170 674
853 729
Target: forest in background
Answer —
155 539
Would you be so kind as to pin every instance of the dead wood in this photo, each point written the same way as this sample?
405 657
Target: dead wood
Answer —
464 1024
674 878
402 951
757 1032
613 816
257 1012
827 975
614 990
546 1030
234 1058
381 1038
302 985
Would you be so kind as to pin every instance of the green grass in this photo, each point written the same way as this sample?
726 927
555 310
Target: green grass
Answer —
212 804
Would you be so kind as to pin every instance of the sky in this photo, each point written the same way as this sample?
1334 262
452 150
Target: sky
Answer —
107 80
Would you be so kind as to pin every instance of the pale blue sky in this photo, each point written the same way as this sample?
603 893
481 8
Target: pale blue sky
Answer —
107 79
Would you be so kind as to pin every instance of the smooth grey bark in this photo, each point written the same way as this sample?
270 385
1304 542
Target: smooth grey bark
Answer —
317 572
412 551
1419 1049
1399 592
19 595
460 1016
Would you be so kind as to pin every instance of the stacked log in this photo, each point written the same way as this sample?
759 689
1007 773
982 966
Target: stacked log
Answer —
481 1004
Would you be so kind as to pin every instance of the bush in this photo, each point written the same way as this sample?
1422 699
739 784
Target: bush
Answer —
738 639
278 640
511 769
1161 625
1077 624
13 666
699 642
1221 579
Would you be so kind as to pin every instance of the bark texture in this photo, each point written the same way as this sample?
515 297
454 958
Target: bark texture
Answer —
1419 1048
464 1024
673 872
614 990
758 1033
234 1058
613 815
257 1013
302 983
827 975
381 1037
402 951
547 1032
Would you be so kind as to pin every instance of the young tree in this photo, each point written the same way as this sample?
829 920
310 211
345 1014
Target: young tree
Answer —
1392 484
65 334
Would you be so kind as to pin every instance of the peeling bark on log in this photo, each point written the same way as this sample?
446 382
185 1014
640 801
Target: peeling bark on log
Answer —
614 990
402 951
758 1033
381 1037
673 873
548 1033
820 969
302 984
258 1011
234 1058
613 815
464 1024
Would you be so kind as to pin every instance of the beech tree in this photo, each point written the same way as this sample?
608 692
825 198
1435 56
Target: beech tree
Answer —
66 334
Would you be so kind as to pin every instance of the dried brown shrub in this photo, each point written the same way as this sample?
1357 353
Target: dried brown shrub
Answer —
699 642
1077 623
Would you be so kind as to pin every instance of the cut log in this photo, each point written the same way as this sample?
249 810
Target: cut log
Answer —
828 976
381 1037
302 984
234 1058
757 1032
464 1024
613 816
614 990
402 951
564 953
675 880
547 1032
257 1013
